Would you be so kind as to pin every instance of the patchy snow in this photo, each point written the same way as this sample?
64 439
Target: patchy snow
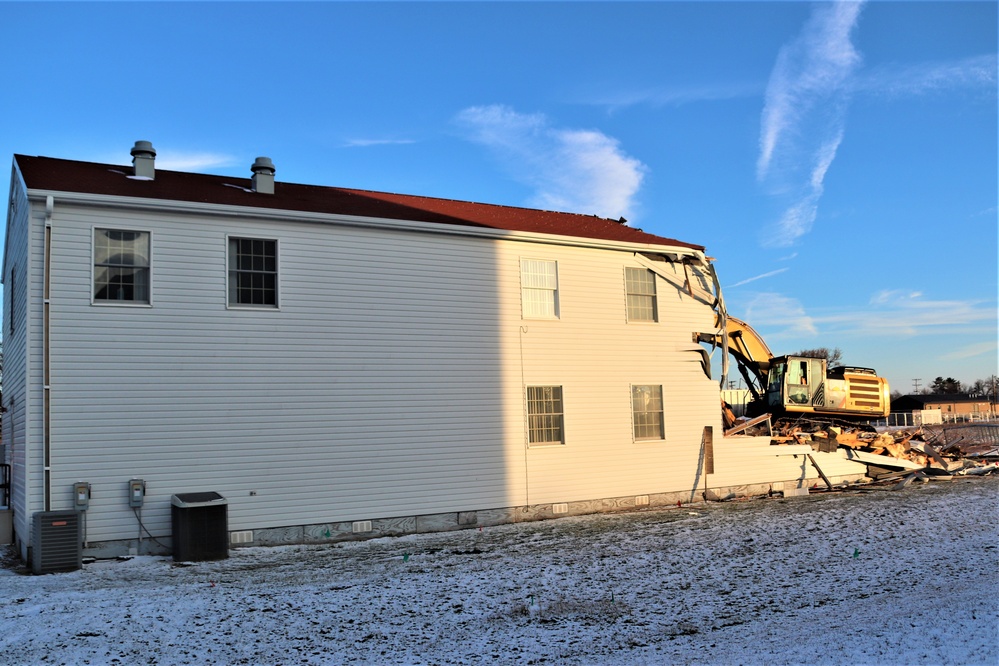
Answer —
858 577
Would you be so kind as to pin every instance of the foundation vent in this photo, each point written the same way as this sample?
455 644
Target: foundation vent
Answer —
245 536
360 526
562 507
641 500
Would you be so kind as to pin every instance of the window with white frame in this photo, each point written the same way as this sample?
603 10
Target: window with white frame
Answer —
253 272
545 415
640 284
539 288
121 266
647 411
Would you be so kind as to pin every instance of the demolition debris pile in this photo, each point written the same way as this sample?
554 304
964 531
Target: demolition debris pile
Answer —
940 450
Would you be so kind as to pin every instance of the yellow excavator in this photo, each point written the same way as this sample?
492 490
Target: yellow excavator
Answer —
788 386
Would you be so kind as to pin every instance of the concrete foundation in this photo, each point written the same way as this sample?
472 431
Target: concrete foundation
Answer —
444 522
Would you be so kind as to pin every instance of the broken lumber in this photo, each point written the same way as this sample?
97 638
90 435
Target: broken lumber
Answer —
749 424
931 452
819 470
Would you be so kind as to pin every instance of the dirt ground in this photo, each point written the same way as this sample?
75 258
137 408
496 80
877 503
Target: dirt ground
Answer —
862 576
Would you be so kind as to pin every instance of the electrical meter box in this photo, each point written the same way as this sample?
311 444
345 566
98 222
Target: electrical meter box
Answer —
81 495
136 493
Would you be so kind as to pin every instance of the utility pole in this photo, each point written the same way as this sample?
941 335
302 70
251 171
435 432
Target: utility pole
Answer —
993 398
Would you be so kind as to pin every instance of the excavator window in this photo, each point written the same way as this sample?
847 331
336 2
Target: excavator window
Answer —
775 381
797 382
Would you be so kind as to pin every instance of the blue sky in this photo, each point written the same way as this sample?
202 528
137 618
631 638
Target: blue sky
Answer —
838 160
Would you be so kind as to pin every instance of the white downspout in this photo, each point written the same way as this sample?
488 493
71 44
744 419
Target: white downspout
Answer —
46 361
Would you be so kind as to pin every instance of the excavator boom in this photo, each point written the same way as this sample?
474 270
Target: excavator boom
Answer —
749 349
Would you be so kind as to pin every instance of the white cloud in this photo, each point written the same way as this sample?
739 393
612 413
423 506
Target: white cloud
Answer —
174 160
780 313
890 314
364 143
923 78
902 313
582 171
794 223
894 296
802 122
180 161
970 351
800 216
809 71
757 277
672 96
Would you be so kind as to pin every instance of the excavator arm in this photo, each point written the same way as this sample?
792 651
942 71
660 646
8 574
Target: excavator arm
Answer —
750 351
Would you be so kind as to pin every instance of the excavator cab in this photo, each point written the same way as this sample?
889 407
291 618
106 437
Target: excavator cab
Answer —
796 383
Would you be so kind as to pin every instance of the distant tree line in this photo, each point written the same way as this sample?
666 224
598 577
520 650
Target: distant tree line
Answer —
980 388
833 356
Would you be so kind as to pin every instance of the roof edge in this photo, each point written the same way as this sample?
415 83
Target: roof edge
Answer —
226 210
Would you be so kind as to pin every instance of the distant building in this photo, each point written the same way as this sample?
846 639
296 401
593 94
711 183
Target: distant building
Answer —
947 403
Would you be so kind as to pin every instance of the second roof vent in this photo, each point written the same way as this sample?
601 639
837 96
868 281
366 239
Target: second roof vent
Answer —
144 160
263 175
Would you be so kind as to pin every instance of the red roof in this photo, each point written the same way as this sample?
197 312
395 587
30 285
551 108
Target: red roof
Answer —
46 173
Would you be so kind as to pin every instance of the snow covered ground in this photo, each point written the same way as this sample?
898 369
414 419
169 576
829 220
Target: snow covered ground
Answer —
871 576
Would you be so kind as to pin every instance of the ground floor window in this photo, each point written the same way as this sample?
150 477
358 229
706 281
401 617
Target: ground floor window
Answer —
647 411
545 415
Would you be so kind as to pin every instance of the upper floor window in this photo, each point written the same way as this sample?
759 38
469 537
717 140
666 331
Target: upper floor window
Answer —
121 266
539 288
647 411
253 272
640 284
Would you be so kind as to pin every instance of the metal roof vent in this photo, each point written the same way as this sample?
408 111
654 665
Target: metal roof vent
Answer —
144 160
263 175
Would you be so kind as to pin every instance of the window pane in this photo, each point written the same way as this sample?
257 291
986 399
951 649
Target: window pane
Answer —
544 414
539 288
647 411
253 272
121 265
640 285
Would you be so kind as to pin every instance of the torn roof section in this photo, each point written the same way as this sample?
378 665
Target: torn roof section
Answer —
59 175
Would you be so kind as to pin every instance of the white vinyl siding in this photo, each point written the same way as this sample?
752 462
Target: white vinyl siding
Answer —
640 285
539 288
388 387
20 362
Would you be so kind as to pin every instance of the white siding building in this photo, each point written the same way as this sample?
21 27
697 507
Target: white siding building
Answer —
328 358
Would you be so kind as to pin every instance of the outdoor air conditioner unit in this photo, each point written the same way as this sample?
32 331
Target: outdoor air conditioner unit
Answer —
58 542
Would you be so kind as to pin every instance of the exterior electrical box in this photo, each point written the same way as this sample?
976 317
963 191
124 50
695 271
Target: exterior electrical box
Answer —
200 527
136 493
57 542
81 495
